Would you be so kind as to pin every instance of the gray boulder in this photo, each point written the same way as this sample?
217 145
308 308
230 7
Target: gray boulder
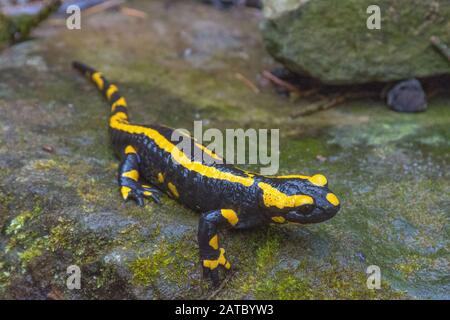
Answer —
330 40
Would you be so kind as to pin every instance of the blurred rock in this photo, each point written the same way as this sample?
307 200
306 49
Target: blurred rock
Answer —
407 96
5 30
329 40
82 4
16 22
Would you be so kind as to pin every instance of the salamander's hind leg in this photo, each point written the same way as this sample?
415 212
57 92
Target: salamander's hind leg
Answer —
211 255
129 184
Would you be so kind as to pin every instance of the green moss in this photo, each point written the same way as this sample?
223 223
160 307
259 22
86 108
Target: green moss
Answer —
5 277
23 24
89 186
300 37
34 250
146 269
323 283
267 254
89 249
18 222
184 257
267 251
285 287
60 236
6 31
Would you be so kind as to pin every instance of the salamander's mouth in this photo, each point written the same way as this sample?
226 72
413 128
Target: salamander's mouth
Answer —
315 216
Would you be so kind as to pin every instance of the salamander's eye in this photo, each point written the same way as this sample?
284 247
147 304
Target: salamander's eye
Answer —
306 209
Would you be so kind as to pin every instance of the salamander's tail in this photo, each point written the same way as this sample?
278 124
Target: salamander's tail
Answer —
110 91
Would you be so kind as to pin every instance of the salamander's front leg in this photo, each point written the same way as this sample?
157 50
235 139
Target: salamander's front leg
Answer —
129 184
211 254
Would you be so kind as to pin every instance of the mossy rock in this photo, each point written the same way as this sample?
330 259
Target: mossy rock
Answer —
5 30
17 28
329 39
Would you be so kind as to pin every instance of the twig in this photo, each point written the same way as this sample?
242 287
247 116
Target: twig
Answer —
268 75
247 82
55 294
102 7
323 104
430 17
310 92
441 46
133 12
222 285
434 92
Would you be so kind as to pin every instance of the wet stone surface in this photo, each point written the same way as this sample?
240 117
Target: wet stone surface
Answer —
59 208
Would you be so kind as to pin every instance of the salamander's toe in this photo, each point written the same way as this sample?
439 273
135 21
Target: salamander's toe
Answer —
139 192
136 196
152 193
213 275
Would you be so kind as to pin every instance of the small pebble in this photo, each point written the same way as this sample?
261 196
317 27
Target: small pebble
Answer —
48 148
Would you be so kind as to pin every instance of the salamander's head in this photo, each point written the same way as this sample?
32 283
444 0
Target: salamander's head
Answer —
300 199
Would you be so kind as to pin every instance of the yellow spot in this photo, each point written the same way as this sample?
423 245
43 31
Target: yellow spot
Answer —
119 122
275 198
120 117
279 219
208 152
111 90
97 78
125 191
132 174
120 102
250 174
212 264
331 197
317 179
173 189
130 149
230 215
160 178
214 242
147 193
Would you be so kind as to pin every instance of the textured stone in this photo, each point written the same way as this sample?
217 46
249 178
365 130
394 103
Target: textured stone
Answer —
330 41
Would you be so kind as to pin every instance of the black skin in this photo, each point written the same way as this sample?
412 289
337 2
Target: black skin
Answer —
225 4
140 153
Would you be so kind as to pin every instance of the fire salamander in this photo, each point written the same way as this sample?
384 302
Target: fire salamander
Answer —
151 163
